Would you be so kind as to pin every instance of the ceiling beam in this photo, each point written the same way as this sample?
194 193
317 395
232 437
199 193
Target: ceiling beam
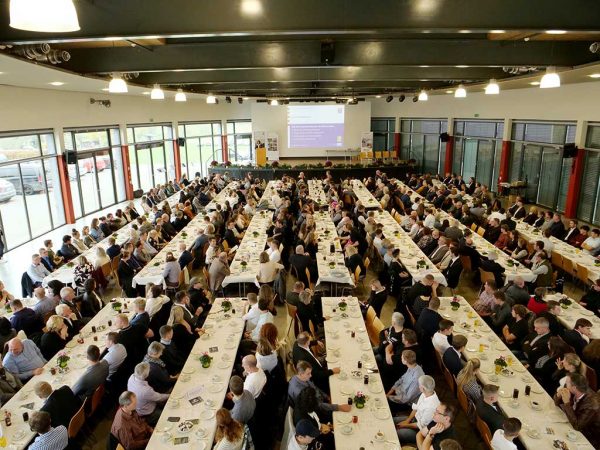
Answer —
135 19
307 53
372 74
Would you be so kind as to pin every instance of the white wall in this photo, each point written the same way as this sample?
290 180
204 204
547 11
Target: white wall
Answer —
274 118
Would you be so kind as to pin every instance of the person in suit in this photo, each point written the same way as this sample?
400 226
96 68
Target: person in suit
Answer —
581 406
174 359
70 320
55 337
454 269
320 373
440 251
159 378
91 303
378 296
487 408
68 250
571 232
219 269
95 375
519 211
61 403
185 257
490 265
126 272
113 249
467 249
301 261
452 358
493 231
132 338
25 319
535 344
141 318
579 336
229 236
557 227
428 322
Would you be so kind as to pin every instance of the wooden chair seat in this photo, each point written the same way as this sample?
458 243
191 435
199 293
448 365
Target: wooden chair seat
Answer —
486 276
484 431
77 421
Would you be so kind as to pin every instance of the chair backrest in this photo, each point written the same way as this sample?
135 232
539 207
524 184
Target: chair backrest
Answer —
367 263
106 269
225 245
357 274
307 272
373 329
582 273
291 310
463 401
96 399
590 375
206 276
120 447
486 276
370 316
474 226
466 263
182 277
567 266
77 421
557 260
484 431
480 231
450 381
114 263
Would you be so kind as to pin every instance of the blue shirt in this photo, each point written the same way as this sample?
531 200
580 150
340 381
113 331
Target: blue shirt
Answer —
55 439
26 362
406 389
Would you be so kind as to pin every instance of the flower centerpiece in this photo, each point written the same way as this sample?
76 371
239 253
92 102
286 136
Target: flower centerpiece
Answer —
535 231
8 308
421 264
205 360
327 232
214 163
226 305
227 163
342 305
565 302
62 360
117 306
183 234
510 262
500 364
275 164
360 399
328 163
454 304
114 235
243 264
255 233
332 264
156 264
70 264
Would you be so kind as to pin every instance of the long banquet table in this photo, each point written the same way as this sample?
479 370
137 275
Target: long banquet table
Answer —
363 194
65 273
19 434
547 419
344 351
512 270
199 391
569 315
316 192
224 196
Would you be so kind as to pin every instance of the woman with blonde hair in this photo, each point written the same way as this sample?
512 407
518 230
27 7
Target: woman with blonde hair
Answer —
55 337
268 269
570 363
230 433
266 356
88 239
467 380
184 337
101 257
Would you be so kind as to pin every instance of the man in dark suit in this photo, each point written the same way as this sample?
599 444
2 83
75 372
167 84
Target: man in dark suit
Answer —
95 375
557 227
230 236
105 227
454 269
490 265
492 233
301 261
519 211
452 359
133 339
61 404
579 336
488 410
320 373
429 319
536 344
113 249
67 297
467 249
68 250
167 226
174 359
571 232
25 319
185 257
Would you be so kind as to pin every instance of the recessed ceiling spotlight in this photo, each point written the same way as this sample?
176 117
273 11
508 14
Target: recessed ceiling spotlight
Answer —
378 96
449 92
424 66
550 79
556 31
251 7
146 93
274 102
56 83
425 79
535 83
497 31
461 66
389 98
246 98
105 89
180 96
464 31
594 75
211 99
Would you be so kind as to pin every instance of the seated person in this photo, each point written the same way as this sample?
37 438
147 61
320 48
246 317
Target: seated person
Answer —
48 437
61 403
23 359
487 408
408 426
452 357
439 429
128 427
503 439
516 330
406 390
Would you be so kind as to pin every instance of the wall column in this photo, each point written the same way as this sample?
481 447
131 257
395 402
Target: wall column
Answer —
127 172
397 144
576 171
224 148
449 147
63 173
176 154
503 176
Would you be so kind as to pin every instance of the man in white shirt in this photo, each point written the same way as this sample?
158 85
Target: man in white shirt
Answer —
421 414
440 339
211 251
251 317
115 353
503 439
273 251
264 317
255 377
592 243
303 435
156 300
36 271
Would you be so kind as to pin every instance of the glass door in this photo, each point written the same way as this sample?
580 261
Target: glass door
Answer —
88 182
550 173
485 162
469 158
105 176
531 170
159 165
144 166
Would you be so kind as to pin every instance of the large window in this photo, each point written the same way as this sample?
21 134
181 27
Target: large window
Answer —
536 159
30 197
150 155
383 133
477 150
589 199
95 168
202 146
239 141
420 140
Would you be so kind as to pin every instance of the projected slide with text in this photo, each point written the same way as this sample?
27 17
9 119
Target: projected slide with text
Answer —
315 126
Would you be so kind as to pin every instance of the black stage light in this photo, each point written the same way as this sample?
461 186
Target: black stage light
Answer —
389 98
401 98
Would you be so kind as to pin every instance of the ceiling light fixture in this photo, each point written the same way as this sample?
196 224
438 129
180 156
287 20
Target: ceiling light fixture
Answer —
157 93
180 96
228 99
594 75
550 79
378 96
556 32
251 7
535 83
211 99
389 98
461 66
274 102
402 98
56 83
117 85
49 16
492 88
240 100
449 92
423 97
460 92
497 31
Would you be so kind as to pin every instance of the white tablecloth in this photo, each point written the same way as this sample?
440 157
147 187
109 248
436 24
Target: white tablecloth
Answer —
344 352
363 194
548 416
19 434
253 243
484 248
568 316
226 194
565 250
211 384
410 253
316 192
327 235
272 187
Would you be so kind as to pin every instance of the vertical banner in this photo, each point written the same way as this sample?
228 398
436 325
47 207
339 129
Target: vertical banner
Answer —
260 149
272 146
366 144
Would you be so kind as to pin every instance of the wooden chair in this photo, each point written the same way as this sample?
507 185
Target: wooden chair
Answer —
77 421
582 274
438 359
450 381
95 400
484 431
466 404
114 266
466 263
411 317
486 276
367 263
225 245
206 277
373 330
480 231
568 267
557 260
120 447
474 226
530 246
310 285
590 375
107 269
292 313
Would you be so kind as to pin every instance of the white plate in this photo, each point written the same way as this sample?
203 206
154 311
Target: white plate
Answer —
223 365
534 434
230 346
365 347
346 389
347 429
188 370
207 414
331 359
343 418
375 388
215 388
382 413
19 435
